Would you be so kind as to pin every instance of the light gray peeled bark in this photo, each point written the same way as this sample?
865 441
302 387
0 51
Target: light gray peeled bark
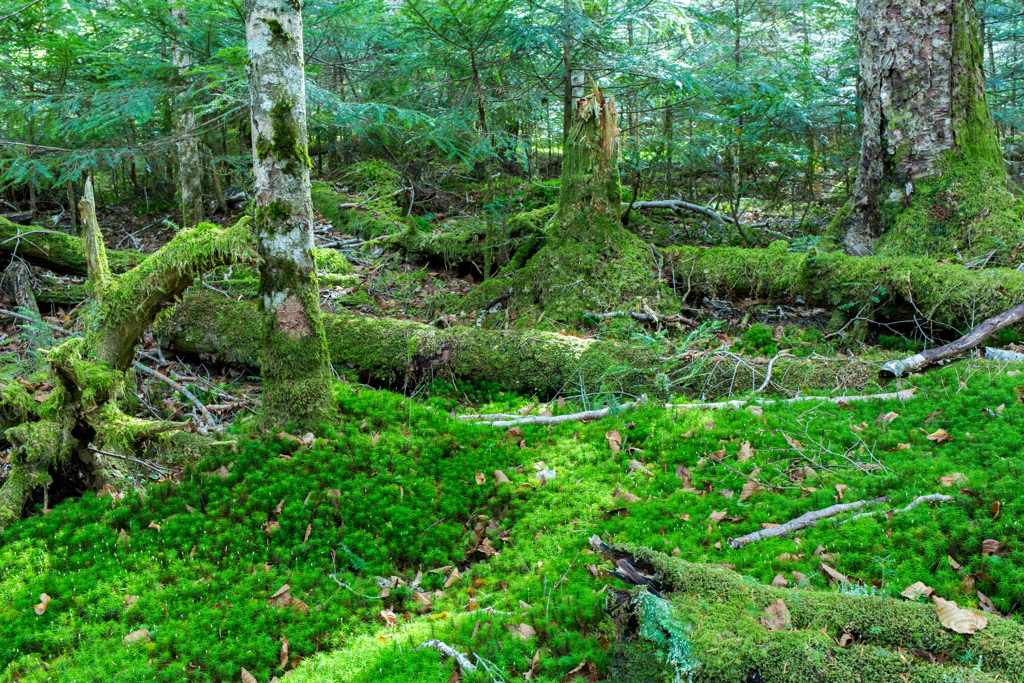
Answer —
294 359
923 92
190 170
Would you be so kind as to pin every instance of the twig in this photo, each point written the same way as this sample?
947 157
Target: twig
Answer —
125 457
930 498
558 419
207 417
803 521
768 374
349 588
449 651
557 583
28 318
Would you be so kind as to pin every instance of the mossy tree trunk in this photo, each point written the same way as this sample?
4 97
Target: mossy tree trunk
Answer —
88 408
190 170
931 175
294 359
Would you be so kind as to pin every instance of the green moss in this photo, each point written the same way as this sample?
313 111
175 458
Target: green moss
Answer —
377 185
532 221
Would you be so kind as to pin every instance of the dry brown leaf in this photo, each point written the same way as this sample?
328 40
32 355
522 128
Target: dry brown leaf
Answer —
139 636
939 436
793 442
718 455
452 578
779 581
130 600
248 677
778 616
789 557
987 605
991 546
832 574
479 478
282 657
750 489
841 489
960 620
221 472
626 496
899 447
637 466
522 631
996 508
917 590
746 452
951 479
526 410
683 475
423 599
500 478
389 617
717 516
586 671
44 601
614 440
756 411
299 605
282 597
845 640
439 570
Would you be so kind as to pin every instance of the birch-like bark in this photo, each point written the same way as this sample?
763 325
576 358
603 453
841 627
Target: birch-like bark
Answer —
294 359
923 92
190 170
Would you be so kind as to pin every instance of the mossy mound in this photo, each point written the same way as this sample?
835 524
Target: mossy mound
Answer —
967 210
377 184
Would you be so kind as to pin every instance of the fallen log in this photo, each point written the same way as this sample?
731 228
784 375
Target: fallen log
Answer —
58 251
941 296
736 640
898 368
679 206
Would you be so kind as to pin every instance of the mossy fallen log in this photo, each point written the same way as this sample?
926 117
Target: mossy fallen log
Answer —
58 251
399 351
710 629
895 288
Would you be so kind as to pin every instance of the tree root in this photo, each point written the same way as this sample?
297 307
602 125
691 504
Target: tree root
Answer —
829 636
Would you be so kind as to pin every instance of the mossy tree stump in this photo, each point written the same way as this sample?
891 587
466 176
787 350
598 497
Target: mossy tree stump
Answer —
294 360
931 177
589 262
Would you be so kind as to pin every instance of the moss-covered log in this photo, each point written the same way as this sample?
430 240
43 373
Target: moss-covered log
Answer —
896 288
405 351
710 628
57 251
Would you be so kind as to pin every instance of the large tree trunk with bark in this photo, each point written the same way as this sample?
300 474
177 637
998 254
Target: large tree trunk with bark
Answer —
931 177
294 358
190 169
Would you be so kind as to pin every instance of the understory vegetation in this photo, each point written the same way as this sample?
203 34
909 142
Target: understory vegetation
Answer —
391 528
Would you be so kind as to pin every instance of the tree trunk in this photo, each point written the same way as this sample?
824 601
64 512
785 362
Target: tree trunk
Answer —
931 177
294 359
190 170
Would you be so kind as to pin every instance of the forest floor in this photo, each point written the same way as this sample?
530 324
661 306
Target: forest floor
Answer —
334 558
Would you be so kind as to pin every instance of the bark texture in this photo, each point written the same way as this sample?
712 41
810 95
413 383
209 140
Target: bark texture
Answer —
190 169
925 118
294 358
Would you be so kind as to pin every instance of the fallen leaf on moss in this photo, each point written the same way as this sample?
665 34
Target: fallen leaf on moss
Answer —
522 631
939 436
452 578
991 546
389 617
637 466
789 557
614 440
996 508
248 677
282 597
683 475
958 619
899 447
479 478
751 488
586 671
832 574
44 601
779 581
717 516
282 657
626 496
841 489
139 636
500 478
793 442
423 599
845 640
987 605
952 479
917 590
778 616
746 452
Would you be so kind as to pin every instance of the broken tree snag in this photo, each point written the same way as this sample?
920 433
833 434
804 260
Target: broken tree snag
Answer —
294 358
190 168
742 639
57 251
898 368
931 178
17 283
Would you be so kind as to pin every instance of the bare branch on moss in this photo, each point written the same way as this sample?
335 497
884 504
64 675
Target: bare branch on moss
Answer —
450 652
930 498
803 521
898 368
206 416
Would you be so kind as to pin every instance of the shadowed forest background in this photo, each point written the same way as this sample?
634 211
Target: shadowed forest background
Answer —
495 340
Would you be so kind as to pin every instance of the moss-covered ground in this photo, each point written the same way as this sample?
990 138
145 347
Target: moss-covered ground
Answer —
395 486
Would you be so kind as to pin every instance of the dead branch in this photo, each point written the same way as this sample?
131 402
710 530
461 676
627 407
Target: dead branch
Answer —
803 521
207 417
449 651
643 317
679 206
930 498
898 368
